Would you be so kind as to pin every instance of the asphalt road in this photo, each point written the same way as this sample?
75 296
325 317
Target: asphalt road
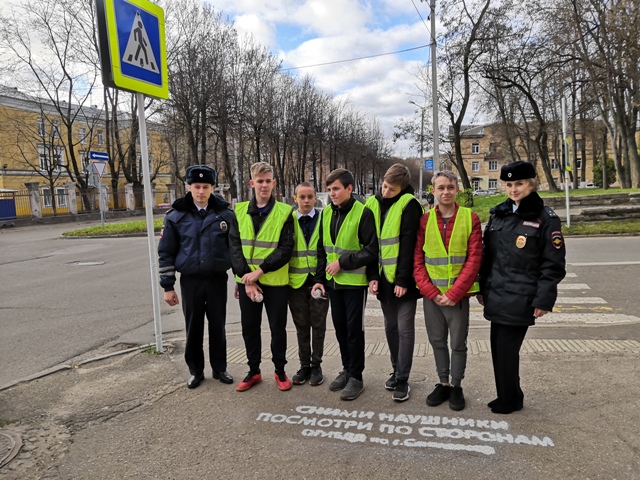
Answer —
62 298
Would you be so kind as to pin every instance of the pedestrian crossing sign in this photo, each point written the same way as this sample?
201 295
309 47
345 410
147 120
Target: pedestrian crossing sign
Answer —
132 46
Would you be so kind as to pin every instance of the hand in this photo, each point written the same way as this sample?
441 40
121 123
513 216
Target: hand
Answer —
333 268
252 291
399 291
171 298
251 278
538 312
236 293
443 301
480 299
321 287
373 287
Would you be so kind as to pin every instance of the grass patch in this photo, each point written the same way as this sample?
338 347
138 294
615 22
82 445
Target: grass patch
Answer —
482 205
4 422
124 228
582 192
603 228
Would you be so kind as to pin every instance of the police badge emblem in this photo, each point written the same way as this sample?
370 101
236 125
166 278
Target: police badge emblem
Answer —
521 241
223 226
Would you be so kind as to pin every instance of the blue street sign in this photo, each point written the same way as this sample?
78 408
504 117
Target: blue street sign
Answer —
99 156
428 165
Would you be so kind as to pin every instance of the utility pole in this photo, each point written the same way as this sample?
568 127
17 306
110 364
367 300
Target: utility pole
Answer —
434 92
421 148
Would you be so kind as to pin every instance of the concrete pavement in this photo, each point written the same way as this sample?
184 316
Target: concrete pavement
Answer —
131 415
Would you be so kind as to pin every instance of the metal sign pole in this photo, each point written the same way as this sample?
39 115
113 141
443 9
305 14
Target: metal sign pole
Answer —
101 202
148 207
565 149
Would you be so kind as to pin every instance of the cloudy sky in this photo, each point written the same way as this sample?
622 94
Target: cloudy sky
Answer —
311 32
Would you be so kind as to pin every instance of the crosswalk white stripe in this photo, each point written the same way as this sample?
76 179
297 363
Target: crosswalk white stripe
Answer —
580 300
573 286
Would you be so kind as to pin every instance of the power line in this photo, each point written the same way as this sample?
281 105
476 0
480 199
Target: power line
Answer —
354 59
420 15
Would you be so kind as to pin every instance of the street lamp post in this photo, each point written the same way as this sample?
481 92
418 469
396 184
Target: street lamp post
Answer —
421 147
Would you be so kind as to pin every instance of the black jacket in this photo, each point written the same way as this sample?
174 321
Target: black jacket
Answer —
282 254
408 232
192 244
367 236
523 262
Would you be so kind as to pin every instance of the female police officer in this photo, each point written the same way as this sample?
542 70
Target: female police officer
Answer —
524 261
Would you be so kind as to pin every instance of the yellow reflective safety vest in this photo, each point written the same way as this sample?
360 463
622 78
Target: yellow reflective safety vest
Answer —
347 242
443 268
305 256
389 237
256 248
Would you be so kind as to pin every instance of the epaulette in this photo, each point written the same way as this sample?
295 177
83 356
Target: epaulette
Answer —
550 211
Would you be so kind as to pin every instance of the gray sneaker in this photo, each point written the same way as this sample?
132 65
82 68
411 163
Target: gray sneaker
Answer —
316 376
353 389
391 383
340 382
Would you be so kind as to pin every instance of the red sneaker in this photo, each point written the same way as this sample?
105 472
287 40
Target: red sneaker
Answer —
249 381
283 382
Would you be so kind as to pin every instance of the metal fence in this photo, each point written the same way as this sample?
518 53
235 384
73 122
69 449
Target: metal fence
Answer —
17 203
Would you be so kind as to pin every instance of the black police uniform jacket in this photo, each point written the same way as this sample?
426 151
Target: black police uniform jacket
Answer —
192 244
523 261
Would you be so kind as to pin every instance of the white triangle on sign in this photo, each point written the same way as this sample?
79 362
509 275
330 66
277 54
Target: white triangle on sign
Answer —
139 51
100 168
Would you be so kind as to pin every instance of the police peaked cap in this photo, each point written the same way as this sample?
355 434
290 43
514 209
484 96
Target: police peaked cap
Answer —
201 174
517 171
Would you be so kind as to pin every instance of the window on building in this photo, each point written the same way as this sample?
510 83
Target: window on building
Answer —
475 183
475 166
493 165
493 184
579 145
554 164
100 137
475 148
82 135
84 156
492 148
578 163
46 162
55 129
42 130
61 197
139 156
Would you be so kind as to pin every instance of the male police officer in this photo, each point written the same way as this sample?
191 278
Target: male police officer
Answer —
195 242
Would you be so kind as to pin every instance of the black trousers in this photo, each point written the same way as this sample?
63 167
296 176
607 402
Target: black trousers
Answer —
205 296
310 318
347 312
275 303
506 341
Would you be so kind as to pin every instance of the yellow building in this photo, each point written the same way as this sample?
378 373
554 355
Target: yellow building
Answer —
36 146
485 150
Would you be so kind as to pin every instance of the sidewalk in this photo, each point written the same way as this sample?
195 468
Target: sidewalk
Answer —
131 416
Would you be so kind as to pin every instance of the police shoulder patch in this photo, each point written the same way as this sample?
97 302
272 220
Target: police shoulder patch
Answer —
557 240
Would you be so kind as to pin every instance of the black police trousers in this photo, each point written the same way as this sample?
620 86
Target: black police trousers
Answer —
205 295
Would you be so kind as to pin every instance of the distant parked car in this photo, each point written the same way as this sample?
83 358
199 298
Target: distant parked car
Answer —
481 192
589 185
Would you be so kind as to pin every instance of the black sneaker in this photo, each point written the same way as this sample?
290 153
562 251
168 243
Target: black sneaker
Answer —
392 382
456 399
316 377
401 393
439 395
301 376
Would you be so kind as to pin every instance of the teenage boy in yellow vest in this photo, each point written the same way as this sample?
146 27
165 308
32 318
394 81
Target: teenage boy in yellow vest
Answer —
446 263
309 313
397 213
347 258
260 252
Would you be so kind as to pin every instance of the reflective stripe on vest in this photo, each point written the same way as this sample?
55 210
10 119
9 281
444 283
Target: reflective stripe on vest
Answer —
347 242
305 257
257 249
443 268
389 237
